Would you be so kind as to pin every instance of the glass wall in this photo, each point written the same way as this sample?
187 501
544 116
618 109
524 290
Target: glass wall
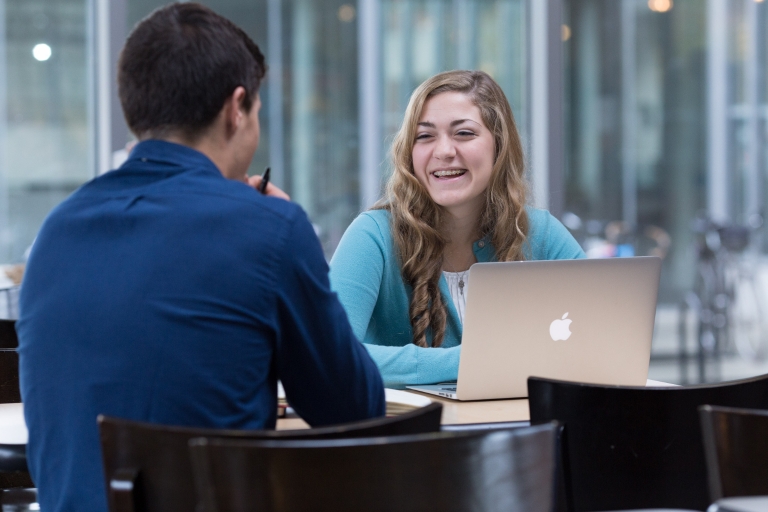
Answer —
251 17
45 129
311 138
424 37
645 85
666 109
309 117
746 100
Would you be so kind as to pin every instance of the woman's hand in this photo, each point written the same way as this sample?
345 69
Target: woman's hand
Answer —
272 190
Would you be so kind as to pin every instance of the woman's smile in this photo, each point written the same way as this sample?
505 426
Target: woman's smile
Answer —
445 174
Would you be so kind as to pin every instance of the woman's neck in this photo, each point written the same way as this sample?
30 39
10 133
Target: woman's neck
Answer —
461 232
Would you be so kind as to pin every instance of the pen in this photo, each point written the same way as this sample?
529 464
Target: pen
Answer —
264 181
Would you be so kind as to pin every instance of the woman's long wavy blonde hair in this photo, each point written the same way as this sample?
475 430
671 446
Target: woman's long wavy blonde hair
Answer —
417 219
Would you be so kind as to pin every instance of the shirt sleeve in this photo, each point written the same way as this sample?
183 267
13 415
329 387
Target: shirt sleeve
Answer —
412 365
327 374
357 269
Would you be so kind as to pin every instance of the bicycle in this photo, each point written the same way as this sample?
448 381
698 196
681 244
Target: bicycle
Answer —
726 296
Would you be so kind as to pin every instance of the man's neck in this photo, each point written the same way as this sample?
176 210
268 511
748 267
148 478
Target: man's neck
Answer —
206 144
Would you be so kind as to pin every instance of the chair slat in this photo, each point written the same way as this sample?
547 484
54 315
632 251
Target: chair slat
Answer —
736 448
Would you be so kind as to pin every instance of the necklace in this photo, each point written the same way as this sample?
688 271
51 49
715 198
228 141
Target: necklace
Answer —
461 281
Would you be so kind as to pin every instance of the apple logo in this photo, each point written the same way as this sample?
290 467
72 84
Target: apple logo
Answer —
560 329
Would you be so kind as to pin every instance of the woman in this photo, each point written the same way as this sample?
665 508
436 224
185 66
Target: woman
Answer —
457 196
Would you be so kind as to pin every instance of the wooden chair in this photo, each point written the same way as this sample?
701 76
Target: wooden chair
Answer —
9 363
635 447
483 471
8 338
736 449
13 457
147 466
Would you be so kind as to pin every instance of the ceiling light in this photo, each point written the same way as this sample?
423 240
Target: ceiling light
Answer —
660 5
41 52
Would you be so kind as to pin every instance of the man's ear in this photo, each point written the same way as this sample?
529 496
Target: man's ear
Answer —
234 113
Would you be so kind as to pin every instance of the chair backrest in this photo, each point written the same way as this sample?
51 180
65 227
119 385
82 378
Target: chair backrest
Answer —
483 471
10 392
9 363
736 449
635 447
147 466
13 459
8 338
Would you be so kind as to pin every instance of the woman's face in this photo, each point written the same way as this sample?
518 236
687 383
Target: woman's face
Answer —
453 153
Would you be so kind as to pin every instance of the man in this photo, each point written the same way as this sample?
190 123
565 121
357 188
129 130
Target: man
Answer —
163 291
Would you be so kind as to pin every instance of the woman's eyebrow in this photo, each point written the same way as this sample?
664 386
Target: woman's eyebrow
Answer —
461 121
453 123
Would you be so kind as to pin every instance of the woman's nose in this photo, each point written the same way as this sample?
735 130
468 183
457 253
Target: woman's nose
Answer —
444 148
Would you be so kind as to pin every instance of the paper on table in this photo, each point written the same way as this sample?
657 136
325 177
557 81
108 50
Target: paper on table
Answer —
13 428
400 402
658 384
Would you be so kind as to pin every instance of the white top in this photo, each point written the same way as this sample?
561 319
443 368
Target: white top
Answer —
457 285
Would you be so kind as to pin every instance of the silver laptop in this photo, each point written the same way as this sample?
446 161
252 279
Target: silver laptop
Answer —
588 320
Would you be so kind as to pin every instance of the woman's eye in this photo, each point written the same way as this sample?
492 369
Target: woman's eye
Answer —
423 136
465 133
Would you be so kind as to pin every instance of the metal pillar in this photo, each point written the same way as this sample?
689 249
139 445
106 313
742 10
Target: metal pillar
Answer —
369 69
717 100
753 194
629 117
546 112
5 220
275 84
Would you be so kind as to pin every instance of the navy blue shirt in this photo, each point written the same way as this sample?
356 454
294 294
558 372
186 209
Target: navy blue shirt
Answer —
164 292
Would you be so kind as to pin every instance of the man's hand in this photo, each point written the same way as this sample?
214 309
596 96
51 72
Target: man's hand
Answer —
272 190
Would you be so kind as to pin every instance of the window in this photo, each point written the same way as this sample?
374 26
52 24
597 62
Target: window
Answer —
45 129
666 116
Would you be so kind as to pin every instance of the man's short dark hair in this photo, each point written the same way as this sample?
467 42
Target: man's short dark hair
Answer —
178 67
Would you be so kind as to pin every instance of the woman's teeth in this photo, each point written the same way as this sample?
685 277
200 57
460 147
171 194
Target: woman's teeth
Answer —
452 172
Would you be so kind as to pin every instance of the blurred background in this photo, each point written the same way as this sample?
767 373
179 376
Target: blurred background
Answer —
645 124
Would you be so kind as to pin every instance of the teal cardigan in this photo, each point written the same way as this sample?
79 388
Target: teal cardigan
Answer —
365 272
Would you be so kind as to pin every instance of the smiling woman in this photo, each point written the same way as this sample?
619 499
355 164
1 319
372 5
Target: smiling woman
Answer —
457 196
453 154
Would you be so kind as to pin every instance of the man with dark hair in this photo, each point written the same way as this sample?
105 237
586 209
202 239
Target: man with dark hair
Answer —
162 291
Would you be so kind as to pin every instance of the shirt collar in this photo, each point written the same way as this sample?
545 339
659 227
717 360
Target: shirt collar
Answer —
484 250
169 153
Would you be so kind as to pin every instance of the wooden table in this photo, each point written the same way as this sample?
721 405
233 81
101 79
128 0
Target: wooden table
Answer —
13 430
477 414
456 413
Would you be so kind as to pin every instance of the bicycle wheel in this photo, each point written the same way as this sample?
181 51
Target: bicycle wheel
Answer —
706 290
746 316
